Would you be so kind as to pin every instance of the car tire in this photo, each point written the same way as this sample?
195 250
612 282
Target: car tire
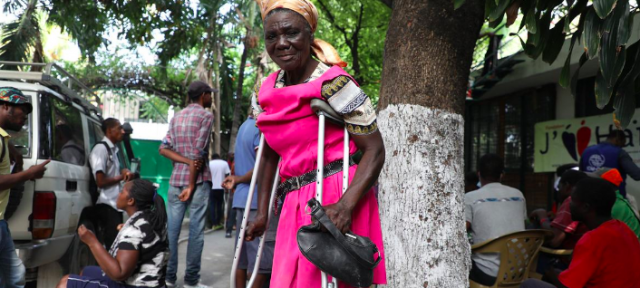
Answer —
15 196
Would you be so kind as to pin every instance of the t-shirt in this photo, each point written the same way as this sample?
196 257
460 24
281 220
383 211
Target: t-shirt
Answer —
246 144
608 256
493 210
138 234
573 229
622 211
5 169
219 169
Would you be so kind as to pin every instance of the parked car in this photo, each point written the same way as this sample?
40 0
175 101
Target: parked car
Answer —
44 217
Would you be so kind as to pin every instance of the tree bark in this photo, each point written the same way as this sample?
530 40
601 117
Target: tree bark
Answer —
428 53
237 114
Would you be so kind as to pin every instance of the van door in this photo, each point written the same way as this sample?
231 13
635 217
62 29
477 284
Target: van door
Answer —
66 183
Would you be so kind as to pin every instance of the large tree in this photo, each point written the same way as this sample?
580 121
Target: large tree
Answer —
428 52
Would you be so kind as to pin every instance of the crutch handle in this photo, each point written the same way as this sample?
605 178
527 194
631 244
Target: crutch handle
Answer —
320 106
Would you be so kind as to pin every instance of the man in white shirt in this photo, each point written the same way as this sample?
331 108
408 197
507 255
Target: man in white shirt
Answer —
219 170
492 211
108 173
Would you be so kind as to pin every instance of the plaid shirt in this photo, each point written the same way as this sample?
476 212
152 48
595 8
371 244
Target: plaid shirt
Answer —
188 135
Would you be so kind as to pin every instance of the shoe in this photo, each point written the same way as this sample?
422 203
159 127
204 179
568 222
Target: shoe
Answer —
199 285
217 227
227 235
170 284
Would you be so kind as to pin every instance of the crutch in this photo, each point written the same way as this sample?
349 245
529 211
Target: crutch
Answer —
325 111
245 216
272 199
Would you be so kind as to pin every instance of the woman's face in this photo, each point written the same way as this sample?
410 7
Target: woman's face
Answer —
123 198
288 40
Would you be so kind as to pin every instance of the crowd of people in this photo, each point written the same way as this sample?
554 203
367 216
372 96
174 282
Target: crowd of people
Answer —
593 217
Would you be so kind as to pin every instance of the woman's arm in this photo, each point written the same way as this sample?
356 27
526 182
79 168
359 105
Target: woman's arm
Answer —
366 175
267 169
119 268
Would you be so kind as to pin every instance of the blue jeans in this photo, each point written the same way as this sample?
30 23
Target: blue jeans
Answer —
12 271
175 213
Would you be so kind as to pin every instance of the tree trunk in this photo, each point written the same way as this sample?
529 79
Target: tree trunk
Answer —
237 114
216 133
428 52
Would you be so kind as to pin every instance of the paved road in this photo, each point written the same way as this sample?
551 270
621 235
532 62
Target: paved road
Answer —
217 257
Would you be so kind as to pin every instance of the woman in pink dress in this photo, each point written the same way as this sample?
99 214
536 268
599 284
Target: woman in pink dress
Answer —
311 68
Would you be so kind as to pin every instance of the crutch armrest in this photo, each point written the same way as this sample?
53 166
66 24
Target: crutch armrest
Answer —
318 106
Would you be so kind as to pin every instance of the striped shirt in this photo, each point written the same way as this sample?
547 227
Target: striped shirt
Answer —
188 135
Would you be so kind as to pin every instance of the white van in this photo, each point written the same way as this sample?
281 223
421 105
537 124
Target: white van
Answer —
43 219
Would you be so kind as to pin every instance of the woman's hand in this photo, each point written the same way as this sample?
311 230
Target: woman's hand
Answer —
340 214
86 236
255 228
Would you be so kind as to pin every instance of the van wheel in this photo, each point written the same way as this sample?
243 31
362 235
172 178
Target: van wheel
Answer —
15 196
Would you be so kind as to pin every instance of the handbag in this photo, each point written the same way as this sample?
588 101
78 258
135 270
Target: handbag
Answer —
347 257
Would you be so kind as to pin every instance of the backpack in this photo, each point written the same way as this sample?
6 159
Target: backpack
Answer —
93 187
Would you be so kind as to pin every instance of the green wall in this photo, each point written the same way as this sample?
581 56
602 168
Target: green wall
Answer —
155 168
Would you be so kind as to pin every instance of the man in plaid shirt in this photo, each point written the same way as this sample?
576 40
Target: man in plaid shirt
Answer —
186 144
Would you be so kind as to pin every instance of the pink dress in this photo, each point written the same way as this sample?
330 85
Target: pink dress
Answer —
290 128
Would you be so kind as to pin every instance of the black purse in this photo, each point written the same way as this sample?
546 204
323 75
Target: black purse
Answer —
347 257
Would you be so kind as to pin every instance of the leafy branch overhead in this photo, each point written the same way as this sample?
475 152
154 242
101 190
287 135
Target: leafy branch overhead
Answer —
602 27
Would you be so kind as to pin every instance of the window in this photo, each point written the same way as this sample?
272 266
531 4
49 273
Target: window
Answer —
21 140
95 134
68 139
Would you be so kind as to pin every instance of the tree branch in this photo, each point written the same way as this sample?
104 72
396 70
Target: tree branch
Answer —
333 19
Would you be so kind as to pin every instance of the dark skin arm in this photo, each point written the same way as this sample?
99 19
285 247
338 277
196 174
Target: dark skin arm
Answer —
340 213
231 181
119 268
34 172
103 181
194 167
558 238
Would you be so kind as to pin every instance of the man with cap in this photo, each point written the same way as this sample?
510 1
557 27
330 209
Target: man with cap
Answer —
186 144
14 108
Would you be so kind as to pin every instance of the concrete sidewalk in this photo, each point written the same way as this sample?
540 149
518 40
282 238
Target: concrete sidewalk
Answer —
217 257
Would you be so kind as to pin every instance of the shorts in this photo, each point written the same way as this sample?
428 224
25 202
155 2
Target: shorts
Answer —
250 248
94 277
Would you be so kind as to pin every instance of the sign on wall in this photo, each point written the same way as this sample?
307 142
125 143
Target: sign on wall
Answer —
560 142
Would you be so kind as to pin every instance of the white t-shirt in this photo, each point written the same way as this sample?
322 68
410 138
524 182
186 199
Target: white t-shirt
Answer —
493 210
219 169
100 160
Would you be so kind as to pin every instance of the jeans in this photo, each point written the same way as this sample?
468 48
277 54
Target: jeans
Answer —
216 206
12 272
175 213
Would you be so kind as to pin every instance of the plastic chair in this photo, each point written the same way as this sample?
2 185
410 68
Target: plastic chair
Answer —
517 250
554 252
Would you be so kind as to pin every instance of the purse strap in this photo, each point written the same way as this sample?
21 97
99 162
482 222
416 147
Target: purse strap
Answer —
317 212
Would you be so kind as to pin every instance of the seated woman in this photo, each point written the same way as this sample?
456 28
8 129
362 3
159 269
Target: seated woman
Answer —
138 257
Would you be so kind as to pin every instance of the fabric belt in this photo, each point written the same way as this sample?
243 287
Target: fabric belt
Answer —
295 183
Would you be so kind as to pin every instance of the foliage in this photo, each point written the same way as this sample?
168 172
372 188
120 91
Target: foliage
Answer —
604 27
154 109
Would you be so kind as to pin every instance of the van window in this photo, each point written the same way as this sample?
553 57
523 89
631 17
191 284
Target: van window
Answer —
95 134
22 139
68 140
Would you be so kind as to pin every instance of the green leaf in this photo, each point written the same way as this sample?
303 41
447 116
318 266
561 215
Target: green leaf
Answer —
565 74
555 41
537 42
498 10
531 21
457 4
612 57
602 91
576 75
624 105
604 7
631 70
622 11
592 33
525 7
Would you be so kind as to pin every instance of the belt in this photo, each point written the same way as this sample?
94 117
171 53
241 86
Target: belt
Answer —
295 183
